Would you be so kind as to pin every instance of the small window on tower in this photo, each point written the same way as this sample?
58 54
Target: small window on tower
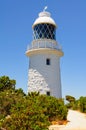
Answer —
48 93
47 61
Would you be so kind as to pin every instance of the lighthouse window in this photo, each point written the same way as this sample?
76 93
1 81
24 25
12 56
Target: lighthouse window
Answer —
48 93
47 61
42 31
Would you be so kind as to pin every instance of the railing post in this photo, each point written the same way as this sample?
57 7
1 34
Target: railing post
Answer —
38 44
45 44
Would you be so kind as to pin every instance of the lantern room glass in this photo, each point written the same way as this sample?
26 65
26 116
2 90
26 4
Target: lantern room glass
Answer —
42 31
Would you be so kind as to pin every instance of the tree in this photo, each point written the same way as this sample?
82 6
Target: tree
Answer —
6 83
70 98
71 102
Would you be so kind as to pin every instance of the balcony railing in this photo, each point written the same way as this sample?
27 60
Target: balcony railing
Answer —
44 43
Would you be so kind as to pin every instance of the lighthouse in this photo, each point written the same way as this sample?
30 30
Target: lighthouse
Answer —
44 57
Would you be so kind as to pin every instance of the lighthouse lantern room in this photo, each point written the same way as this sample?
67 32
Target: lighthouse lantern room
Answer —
44 57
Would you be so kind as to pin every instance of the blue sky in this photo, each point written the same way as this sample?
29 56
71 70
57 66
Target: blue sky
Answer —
16 19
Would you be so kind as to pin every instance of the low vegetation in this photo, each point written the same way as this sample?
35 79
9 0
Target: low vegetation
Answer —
79 104
19 111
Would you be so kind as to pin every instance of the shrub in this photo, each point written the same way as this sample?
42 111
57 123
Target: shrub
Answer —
34 112
82 104
74 104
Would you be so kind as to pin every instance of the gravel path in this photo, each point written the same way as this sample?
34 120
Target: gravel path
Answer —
77 121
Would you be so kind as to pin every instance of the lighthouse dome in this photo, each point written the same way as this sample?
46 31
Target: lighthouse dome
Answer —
44 27
44 17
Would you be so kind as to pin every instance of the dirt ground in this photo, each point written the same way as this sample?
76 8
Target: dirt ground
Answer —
77 121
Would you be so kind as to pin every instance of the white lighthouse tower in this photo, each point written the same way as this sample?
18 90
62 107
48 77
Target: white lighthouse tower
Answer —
44 57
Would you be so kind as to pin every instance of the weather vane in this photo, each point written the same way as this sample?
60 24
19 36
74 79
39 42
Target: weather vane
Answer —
45 8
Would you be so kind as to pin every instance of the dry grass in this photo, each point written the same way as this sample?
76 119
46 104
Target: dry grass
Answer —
62 122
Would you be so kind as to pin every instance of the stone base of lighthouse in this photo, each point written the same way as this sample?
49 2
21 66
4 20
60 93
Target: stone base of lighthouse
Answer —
37 82
44 74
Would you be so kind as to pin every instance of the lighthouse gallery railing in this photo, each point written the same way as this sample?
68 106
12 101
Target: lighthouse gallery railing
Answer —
44 43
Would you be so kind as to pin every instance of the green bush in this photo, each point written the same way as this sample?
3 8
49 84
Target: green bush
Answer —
34 112
19 111
82 101
6 83
74 104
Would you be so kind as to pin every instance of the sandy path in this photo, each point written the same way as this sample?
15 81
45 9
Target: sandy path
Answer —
77 121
